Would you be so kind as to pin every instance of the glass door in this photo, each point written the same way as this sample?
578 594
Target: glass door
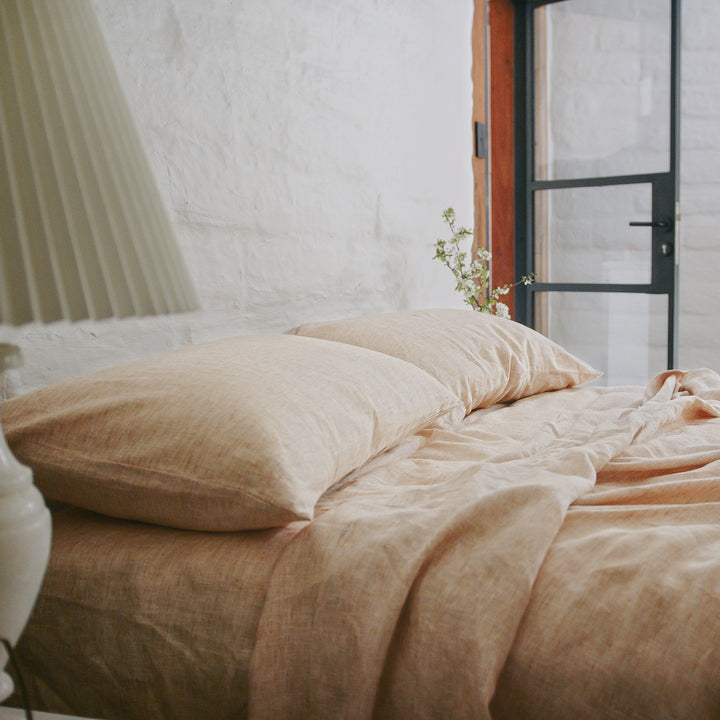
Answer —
597 88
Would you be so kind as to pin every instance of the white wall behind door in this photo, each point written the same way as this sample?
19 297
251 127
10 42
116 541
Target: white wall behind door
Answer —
700 186
699 288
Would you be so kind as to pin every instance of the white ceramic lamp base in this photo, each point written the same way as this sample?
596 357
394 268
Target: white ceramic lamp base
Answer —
25 530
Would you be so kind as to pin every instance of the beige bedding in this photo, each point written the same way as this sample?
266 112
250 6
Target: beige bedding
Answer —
557 557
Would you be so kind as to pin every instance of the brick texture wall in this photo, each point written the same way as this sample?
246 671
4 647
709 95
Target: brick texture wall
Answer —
700 189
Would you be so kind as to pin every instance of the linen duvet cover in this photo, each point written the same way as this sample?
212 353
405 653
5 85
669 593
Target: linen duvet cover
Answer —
554 554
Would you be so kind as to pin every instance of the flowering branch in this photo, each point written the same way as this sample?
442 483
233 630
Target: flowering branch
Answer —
472 276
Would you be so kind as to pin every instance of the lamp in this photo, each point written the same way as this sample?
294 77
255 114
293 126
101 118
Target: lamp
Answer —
83 232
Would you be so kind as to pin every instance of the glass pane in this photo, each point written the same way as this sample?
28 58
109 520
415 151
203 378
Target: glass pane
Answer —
622 334
583 234
602 88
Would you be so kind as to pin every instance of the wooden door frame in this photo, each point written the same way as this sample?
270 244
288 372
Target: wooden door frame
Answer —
500 56
480 165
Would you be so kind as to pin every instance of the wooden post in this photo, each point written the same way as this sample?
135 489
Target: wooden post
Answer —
479 115
502 157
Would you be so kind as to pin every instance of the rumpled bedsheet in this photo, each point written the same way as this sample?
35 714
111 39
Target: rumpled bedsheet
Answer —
433 582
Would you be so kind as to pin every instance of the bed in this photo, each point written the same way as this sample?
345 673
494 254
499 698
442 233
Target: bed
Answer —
426 514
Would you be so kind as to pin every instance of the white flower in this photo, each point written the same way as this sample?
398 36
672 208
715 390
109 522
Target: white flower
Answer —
502 310
472 275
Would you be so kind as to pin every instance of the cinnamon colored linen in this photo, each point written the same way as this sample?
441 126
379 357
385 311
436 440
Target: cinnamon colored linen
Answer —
557 557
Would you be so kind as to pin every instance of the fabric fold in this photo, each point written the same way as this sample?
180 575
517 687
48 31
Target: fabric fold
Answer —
403 597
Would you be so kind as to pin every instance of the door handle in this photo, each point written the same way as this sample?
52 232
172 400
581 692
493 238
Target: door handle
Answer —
661 224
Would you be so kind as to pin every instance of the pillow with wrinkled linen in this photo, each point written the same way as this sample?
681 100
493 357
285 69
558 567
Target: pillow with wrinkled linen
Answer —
235 434
481 358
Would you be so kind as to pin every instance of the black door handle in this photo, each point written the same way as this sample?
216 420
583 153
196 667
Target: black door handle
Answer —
662 224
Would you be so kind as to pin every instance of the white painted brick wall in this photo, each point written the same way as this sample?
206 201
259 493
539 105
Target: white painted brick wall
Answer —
700 188
306 151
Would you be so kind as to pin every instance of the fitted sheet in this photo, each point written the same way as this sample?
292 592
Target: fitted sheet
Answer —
553 557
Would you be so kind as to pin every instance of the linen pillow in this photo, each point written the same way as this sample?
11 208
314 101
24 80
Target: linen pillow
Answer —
235 434
481 358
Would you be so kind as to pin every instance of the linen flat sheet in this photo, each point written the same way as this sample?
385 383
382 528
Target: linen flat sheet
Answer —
555 557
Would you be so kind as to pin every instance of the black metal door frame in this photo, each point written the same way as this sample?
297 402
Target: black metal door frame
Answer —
665 187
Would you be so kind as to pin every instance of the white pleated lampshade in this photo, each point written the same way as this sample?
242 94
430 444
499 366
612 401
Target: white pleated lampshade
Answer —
83 231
